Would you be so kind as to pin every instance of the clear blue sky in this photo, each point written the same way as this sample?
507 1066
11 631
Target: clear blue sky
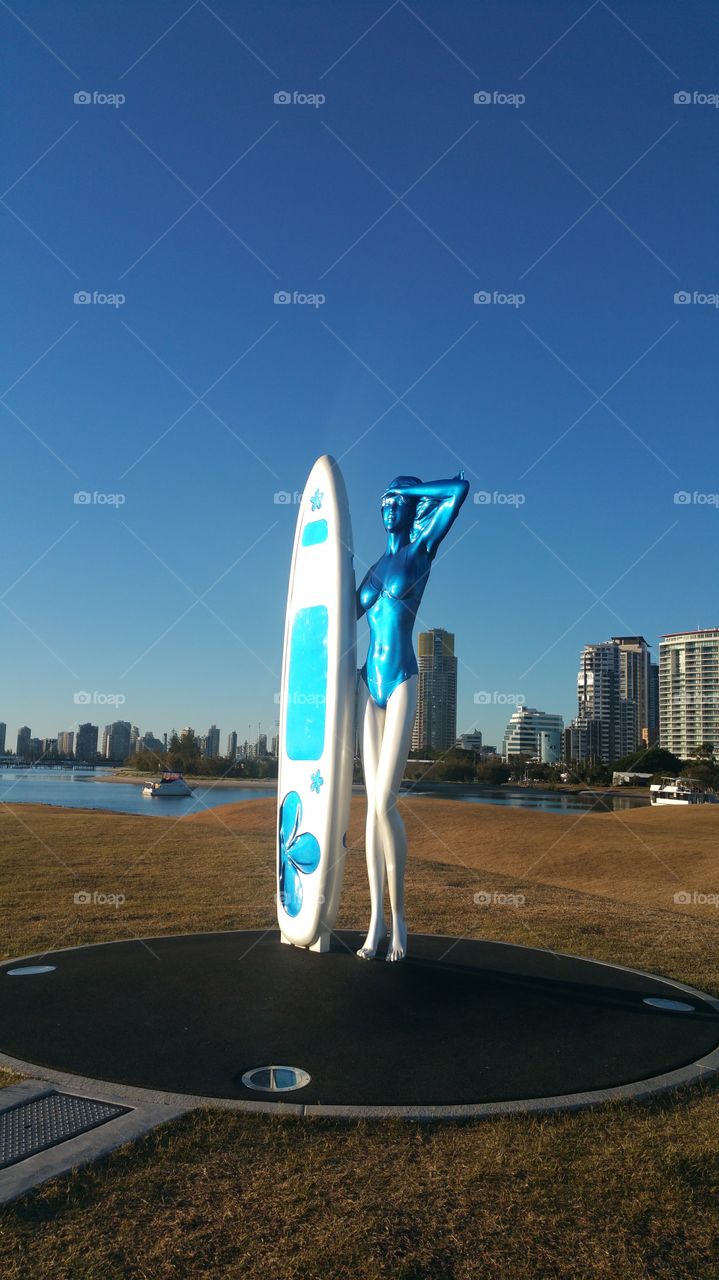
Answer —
397 198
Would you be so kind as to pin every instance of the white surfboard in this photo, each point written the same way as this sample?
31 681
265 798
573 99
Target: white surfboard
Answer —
317 702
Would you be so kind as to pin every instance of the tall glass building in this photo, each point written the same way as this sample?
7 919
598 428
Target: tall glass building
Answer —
435 725
635 686
606 725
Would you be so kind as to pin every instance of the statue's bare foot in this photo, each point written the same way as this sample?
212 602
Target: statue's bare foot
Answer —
376 933
397 948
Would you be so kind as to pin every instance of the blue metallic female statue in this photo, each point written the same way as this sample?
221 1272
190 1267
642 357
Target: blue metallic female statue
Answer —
417 516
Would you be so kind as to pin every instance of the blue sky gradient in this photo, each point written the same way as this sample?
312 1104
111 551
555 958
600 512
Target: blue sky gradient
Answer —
398 198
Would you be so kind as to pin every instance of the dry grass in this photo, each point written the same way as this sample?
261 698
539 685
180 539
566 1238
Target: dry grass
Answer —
623 1191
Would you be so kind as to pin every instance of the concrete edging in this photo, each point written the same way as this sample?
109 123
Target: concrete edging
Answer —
86 1147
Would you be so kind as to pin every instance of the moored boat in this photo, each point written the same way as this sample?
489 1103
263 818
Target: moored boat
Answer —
681 791
170 784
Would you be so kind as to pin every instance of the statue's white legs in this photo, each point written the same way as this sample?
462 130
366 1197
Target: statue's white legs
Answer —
385 735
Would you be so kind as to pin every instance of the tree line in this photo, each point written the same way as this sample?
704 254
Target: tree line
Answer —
184 755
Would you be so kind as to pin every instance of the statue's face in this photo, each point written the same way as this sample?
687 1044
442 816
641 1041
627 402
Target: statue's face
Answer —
396 513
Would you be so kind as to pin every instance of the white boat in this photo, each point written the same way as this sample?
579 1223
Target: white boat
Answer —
170 784
681 791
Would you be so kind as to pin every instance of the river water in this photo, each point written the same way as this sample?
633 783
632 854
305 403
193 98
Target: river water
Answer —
70 789
76 790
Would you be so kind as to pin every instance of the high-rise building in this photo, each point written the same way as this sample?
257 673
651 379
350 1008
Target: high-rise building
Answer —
212 743
231 745
106 741
653 703
24 737
134 739
3 732
689 690
606 723
118 740
65 743
634 683
435 724
533 733
262 744
582 740
148 742
86 744
470 741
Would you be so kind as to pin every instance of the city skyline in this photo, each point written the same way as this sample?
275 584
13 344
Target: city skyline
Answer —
153 443
626 697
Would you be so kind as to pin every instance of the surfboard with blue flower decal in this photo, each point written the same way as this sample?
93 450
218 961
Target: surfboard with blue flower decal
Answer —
317 705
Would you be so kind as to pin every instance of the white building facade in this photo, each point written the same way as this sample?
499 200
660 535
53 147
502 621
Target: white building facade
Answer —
689 691
533 733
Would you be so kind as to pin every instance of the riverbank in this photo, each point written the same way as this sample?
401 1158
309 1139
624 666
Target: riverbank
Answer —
193 780
632 795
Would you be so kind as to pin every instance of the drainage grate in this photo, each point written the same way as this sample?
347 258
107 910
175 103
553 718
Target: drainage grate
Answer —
40 1123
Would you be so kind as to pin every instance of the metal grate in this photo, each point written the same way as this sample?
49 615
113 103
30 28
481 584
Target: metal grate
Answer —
43 1122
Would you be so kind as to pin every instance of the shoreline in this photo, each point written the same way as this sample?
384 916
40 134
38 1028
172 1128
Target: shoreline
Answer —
408 785
192 780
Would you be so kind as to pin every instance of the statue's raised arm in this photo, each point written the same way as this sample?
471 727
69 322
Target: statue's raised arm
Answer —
438 505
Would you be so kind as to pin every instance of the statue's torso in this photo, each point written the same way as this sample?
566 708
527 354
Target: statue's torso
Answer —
390 595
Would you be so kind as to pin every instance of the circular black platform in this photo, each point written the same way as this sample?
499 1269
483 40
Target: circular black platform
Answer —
458 1023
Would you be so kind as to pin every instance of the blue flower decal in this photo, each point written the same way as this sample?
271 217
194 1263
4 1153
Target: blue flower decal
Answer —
316 781
299 853
316 500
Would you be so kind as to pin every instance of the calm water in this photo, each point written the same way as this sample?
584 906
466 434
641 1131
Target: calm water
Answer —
72 790
549 802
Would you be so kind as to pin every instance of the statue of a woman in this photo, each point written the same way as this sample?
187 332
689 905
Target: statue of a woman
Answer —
417 516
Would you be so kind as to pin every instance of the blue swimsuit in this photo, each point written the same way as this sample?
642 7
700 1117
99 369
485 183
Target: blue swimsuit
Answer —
391 599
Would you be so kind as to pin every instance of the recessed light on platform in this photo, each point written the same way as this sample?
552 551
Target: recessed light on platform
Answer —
276 1079
677 1006
28 970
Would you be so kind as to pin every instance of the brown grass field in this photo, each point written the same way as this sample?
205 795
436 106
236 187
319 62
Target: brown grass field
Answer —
623 1191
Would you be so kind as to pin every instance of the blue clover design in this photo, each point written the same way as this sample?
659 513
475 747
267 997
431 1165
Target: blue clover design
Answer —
299 854
316 781
316 500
